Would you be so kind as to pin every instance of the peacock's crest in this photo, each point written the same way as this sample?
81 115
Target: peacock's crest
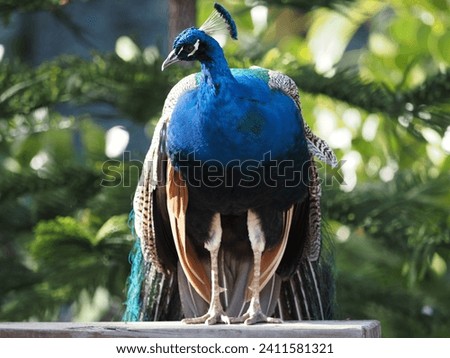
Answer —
220 21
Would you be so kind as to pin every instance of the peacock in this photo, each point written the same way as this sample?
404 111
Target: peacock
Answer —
227 215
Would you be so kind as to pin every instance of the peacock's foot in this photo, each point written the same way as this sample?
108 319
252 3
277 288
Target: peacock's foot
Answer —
255 317
210 318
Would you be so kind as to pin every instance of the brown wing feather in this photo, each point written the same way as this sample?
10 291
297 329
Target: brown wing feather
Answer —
177 201
152 223
151 217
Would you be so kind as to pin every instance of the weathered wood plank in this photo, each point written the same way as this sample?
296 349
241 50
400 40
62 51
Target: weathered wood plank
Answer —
306 329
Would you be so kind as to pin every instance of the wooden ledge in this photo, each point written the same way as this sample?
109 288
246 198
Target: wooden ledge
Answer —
292 329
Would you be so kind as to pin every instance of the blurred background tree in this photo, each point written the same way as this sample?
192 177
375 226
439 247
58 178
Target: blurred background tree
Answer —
81 89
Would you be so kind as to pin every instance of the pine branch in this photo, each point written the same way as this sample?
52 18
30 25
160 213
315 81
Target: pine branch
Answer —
409 215
66 247
420 106
306 5
136 88
8 7
52 194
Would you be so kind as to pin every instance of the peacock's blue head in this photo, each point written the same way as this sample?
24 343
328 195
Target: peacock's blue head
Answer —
195 44
190 45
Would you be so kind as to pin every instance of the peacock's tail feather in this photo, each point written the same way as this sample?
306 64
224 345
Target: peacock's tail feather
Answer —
136 278
151 295
309 294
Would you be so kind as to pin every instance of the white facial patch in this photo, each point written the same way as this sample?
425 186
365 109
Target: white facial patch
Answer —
196 45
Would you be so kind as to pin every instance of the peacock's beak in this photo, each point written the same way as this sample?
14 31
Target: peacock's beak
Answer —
171 58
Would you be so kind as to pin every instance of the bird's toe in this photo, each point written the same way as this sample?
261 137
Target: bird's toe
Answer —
209 319
256 317
260 317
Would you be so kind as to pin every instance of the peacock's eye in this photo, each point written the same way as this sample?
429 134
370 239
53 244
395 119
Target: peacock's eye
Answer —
189 48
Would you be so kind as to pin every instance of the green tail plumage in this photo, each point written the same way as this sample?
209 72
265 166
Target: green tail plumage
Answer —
151 296
136 278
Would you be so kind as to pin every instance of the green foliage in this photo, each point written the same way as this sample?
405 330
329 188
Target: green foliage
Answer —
88 253
102 79
383 106
306 6
408 214
7 7
420 106
368 287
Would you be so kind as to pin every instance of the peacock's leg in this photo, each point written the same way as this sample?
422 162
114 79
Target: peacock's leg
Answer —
215 312
254 313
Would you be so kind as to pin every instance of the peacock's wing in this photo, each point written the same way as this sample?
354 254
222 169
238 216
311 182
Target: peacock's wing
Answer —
307 293
159 203
152 217
317 146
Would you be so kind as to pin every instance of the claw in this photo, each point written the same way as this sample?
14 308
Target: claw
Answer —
260 317
209 318
254 316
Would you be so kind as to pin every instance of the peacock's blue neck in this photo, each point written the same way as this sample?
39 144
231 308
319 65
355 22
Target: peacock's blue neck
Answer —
215 70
